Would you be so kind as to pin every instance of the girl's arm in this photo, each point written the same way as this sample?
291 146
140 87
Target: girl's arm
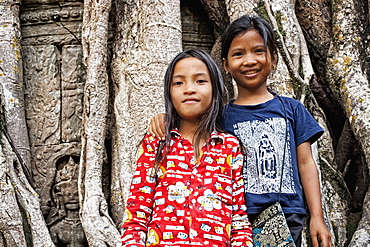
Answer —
140 201
157 126
241 229
311 186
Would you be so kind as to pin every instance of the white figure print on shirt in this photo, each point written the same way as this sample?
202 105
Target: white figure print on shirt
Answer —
264 142
267 157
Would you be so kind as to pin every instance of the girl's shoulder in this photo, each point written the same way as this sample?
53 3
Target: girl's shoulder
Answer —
150 140
227 137
290 100
292 103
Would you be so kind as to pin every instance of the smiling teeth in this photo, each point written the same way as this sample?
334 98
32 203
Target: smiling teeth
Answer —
250 72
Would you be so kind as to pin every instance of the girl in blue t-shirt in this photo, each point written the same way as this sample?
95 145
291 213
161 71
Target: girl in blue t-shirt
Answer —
270 127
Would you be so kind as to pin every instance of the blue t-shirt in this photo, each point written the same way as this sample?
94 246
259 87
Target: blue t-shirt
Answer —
262 130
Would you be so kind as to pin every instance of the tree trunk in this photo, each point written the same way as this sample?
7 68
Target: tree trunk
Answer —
11 230
19 202
346 71
11 76
98 225
148 37
27 204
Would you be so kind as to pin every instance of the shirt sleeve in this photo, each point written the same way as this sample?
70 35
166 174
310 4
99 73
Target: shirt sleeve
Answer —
241 229
139 204
305 127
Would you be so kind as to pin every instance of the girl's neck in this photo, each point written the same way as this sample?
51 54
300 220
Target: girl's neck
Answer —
249 97
188 131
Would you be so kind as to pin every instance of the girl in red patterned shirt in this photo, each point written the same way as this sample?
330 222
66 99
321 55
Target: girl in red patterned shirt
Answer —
188 190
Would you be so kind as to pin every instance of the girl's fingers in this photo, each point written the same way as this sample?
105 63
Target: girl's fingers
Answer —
315 242
157 126
326 241
161 125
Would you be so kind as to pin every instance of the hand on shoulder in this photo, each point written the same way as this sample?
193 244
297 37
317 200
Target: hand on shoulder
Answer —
157 126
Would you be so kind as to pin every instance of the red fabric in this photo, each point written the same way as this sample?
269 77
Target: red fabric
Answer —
194 203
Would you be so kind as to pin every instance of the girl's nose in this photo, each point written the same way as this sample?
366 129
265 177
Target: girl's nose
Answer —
249 59
189 89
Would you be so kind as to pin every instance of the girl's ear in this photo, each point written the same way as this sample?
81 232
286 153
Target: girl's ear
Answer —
225 65
274 60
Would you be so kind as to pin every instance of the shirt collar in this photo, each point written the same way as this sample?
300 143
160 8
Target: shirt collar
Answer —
214 139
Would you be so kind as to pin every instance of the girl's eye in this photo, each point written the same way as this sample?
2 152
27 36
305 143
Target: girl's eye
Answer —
260 50
237 54
201 81
177 83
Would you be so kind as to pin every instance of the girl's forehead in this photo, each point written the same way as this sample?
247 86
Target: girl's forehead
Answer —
251 33
250 38
189 60
190 65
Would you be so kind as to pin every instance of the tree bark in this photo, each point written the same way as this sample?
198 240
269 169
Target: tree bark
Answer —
10 218
27 203
148 37
11 76
18 199
98 225
348 79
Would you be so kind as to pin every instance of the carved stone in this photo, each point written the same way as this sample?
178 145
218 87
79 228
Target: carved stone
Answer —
42 93
52 24
197 30
72 77
64 221
54 78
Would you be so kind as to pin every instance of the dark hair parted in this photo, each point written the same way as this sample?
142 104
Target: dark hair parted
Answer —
244 24
211 120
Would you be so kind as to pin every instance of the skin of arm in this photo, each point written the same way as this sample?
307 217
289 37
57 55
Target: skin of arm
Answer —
157 126
311 187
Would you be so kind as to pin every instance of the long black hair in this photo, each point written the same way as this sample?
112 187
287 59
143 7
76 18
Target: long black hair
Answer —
244 24
211 120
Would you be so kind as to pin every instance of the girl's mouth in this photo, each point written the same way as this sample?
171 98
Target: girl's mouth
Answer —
190 100
250 72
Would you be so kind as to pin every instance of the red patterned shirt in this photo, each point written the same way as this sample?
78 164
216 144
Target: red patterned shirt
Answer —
188 203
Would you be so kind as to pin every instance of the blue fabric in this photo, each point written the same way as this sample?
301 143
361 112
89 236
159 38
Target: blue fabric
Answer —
262 130
296 224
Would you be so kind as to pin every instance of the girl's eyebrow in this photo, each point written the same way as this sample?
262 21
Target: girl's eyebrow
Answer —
196 74
260 45
242 48
236 49
201 73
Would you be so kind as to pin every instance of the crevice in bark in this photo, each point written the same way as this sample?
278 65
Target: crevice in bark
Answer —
362 7
315 20
353 220
2 240
26 226
107 171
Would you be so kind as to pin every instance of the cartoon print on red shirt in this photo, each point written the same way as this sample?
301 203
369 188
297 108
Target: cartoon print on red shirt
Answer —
188 202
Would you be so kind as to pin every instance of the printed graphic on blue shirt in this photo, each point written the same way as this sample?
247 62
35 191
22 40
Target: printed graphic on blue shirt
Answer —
264 141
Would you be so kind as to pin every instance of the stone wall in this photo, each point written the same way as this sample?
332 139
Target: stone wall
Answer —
197 30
